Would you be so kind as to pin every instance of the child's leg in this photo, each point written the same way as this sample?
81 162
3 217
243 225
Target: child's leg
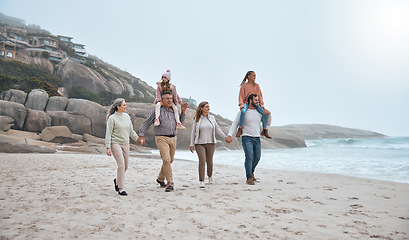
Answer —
242 114
157 114
264 117
176 111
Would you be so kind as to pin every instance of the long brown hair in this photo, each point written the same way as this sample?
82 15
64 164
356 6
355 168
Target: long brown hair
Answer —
246 77
199 110
165 86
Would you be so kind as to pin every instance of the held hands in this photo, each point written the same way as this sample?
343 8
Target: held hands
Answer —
141 140
109 153
192 149
228 139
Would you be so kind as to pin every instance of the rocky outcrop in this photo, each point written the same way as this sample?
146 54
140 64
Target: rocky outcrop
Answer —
14 110
75 74
88 118
323 131
107 78
37 99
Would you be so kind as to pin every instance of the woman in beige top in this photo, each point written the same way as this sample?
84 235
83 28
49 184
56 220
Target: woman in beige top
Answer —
203 138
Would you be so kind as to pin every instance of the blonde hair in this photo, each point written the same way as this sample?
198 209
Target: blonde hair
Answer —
199 110
114 107
246 77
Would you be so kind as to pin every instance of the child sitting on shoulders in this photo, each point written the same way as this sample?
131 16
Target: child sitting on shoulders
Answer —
249 86
165 85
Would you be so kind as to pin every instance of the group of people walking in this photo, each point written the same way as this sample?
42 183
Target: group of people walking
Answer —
167 120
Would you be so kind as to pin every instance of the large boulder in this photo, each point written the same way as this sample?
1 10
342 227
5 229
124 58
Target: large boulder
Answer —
6 123
57 134
77 124
56 103
75 74
91 110
14 110
12 144
14 95
37 99
36 121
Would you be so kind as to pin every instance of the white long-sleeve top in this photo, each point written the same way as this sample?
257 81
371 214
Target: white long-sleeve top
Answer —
204 131
251 125
119 129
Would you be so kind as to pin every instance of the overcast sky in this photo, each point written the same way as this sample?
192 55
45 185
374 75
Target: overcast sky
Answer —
343 62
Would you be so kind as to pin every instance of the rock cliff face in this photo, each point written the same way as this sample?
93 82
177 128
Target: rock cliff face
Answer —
108 79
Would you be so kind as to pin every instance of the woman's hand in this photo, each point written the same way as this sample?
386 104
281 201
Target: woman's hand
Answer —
109 153
228 139
192 149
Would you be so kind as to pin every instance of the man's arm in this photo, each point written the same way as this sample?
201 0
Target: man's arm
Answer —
234 125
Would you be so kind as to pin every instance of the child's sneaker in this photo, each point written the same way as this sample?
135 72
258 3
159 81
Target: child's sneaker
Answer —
180 126
157 123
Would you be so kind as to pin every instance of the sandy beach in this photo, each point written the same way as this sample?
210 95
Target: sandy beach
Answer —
71 196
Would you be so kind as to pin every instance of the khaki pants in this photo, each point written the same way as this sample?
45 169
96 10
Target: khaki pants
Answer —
205 153
121 155
167 148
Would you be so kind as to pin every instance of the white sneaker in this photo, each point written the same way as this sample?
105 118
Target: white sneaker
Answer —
202 184
209 180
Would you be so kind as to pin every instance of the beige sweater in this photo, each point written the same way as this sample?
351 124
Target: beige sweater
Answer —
119 129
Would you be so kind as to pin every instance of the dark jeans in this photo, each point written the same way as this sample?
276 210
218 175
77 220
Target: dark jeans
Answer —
252 150
259 109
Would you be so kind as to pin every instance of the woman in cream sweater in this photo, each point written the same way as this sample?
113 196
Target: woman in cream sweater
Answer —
203 138
119 129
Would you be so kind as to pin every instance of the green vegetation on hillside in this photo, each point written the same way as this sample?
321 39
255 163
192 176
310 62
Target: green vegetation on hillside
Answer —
18 75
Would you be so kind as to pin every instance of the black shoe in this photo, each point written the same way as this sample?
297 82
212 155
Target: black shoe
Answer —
169 189
116 186
162 184
123 193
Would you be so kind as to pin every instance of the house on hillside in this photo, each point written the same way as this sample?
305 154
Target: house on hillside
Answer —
7 48
33 45
77 47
